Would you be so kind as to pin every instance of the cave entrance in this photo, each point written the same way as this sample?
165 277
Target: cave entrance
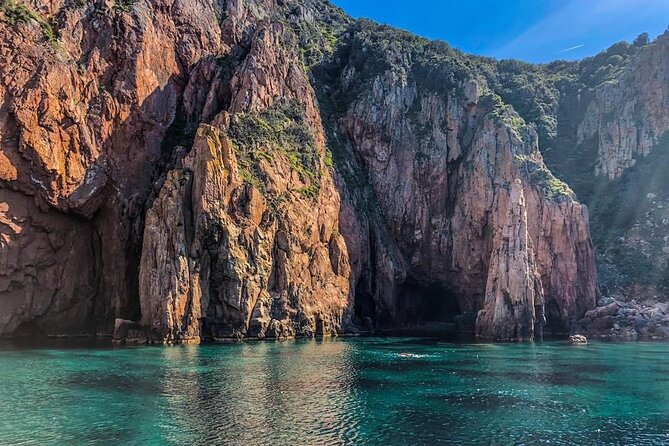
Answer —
364 305
319 326
428 307
554 325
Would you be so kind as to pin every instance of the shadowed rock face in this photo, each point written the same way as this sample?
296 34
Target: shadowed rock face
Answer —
178 167
612 147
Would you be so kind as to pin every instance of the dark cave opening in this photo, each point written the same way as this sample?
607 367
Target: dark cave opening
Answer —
320 326
554 324
428 304
364 305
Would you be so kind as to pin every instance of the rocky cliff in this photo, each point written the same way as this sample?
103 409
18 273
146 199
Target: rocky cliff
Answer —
272 168
621 145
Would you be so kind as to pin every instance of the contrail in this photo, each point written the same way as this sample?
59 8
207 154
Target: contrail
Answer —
571 49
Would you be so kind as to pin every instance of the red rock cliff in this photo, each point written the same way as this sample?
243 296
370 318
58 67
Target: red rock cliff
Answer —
166 164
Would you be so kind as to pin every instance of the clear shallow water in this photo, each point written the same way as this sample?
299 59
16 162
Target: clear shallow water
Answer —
391 391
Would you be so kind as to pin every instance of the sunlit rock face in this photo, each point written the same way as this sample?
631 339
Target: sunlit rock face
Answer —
513 290
628 114
179 172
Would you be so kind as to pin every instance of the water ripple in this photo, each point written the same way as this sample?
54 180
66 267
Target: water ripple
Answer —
337 392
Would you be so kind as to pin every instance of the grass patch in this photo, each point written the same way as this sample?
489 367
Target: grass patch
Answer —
14 12
281 130
543 178
309 191
124 5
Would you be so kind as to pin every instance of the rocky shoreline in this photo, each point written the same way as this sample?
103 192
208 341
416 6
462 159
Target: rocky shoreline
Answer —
610 320
626 320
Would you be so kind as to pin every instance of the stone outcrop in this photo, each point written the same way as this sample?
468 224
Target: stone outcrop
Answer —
440 168
218 261
514 302
628 114
250 247
622 148
175 172
87 92
578 340
626 320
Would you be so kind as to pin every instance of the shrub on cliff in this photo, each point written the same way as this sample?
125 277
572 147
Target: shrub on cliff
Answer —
280 130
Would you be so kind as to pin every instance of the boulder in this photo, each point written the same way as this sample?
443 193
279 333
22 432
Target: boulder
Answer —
578 339
129 332
600 312
602 324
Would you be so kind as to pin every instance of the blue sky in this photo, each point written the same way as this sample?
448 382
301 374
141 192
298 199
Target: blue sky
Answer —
531 30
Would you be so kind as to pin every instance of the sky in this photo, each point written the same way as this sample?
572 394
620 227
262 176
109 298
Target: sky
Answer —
530 30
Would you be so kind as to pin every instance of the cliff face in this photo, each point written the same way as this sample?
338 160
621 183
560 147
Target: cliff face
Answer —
440 165
612 148
243 238
268 169
513 291
627 116
83 112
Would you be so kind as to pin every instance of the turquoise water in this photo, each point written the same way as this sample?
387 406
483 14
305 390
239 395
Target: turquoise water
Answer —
391 391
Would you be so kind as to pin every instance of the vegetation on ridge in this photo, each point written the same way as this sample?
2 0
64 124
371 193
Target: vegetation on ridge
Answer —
280 130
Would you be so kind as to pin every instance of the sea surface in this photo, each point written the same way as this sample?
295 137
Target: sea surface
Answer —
366 391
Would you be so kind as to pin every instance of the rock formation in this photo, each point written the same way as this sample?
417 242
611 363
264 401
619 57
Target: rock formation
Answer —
612 148
182 171
626 115
514 302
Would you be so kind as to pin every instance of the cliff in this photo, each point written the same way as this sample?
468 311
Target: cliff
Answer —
611 146
178 171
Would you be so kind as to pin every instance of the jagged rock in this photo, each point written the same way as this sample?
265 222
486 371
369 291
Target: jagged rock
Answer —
602 324
439 222
578 339
514 288
613 116
605 301
81 126
129 332
600 312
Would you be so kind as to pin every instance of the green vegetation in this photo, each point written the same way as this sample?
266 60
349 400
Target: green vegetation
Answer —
281 130
553 98
13 12
124 5
503 112
619 208
541 177
534 91
309 191
317 38
75 4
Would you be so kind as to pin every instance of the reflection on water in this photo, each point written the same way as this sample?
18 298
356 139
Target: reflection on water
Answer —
391 391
